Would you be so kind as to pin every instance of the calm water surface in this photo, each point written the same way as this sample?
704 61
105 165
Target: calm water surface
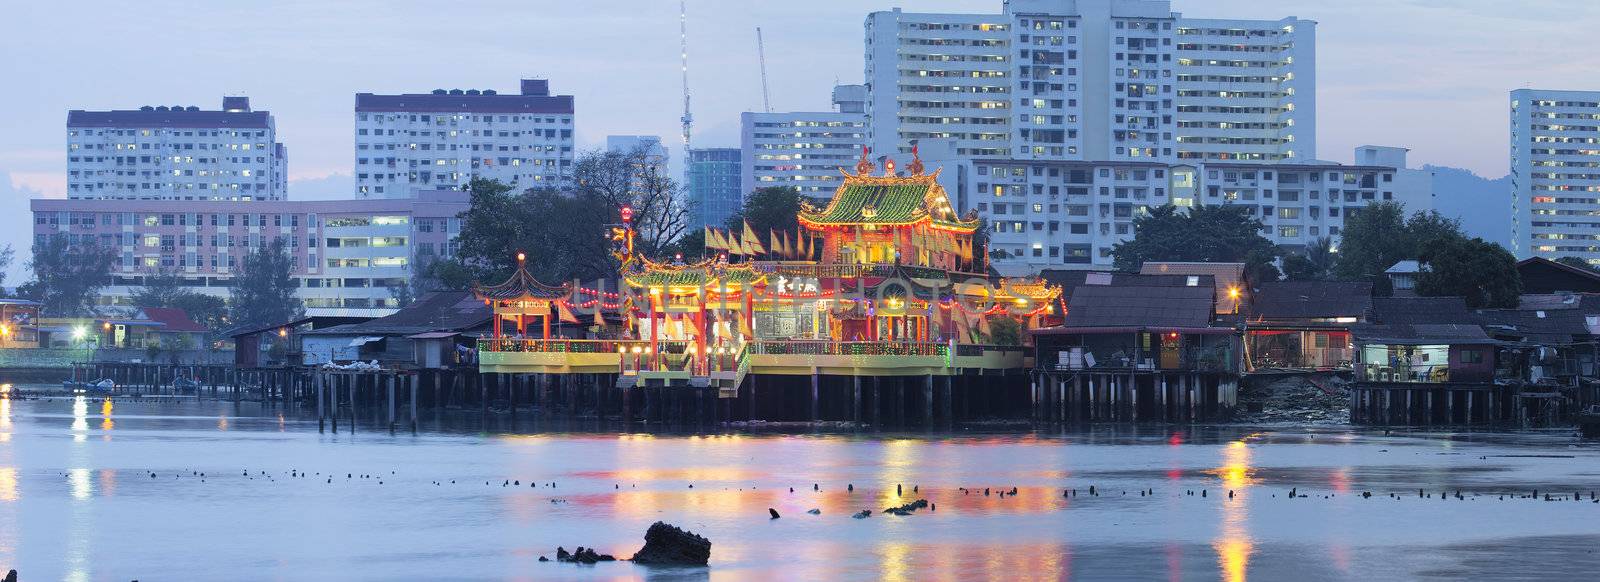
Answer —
78 502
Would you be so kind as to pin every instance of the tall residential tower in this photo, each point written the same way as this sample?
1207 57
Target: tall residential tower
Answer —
1093 80
442 140
176 153
1555 174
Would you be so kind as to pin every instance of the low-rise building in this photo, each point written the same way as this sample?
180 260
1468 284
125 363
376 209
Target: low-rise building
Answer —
346 255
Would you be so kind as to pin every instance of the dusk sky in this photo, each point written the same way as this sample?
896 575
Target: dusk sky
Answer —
1431 75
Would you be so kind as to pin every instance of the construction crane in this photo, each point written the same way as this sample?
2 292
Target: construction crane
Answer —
761 51
683 54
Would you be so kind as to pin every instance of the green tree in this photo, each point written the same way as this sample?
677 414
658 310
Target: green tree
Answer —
1380 235
1577 262
67 278
166 289
1004 331
1481 272
7 254
1207 233
692 244
263 291
1314 263
768 209
563 237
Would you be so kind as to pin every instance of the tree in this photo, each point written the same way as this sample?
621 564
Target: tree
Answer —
768 209
562 236
1380 235
1004 331
1481 272
1207 233
1314 263
1578 263
633 179
67 278
263 291
691 244
166 289
6 255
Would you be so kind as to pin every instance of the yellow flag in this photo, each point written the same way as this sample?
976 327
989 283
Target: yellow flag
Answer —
599 320
566 314
751 241
711 239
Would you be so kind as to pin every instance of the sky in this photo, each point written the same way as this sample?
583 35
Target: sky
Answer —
1430 75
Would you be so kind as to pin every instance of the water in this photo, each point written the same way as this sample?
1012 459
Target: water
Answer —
77 501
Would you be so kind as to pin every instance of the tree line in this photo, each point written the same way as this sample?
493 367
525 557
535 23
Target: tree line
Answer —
1374 239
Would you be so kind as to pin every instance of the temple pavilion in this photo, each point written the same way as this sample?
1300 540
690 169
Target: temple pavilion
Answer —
886 279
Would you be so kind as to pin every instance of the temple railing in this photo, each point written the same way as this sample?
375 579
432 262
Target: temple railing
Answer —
833 348
979 349
572 346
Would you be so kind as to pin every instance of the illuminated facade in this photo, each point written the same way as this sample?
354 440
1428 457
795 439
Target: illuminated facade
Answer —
886 279
176 153
1099 80
1555 174
441 140
803 150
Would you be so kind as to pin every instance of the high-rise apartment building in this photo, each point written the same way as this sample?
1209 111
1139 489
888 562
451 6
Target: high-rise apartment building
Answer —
1555 174
803 149
176 153
345 254
1094 80
1055 214
714 185
442 140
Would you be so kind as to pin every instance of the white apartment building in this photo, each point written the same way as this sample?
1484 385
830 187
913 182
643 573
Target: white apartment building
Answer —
1112 80
803 149
176 153
1555 174
442 140
1065 214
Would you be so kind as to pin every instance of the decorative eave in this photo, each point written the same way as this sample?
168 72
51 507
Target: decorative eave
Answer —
709 275
521 287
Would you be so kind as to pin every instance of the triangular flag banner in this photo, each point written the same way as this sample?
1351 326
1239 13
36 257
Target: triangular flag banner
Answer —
710 241
751 241
566 314
722 240
733 245
599 319
744 327
775 244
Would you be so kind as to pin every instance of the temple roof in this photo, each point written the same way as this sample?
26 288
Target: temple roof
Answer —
521 287
888 200
709 274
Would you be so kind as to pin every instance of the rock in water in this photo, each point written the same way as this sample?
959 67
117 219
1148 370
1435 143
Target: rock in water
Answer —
814 511
863 514
774 512
907 508
11 576
667 545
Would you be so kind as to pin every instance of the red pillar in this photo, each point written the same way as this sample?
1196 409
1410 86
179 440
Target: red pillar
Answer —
655 330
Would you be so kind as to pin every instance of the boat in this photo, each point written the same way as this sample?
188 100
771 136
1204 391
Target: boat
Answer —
102 386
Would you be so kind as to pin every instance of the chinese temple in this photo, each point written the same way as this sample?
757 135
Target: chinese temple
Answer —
886 280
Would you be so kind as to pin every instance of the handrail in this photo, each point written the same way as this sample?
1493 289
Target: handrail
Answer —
575 346
833 348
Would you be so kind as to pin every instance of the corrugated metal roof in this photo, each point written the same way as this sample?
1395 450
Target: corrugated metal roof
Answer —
1226 276
1112 306
1311 299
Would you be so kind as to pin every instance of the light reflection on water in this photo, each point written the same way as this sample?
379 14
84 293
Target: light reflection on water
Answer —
90 509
